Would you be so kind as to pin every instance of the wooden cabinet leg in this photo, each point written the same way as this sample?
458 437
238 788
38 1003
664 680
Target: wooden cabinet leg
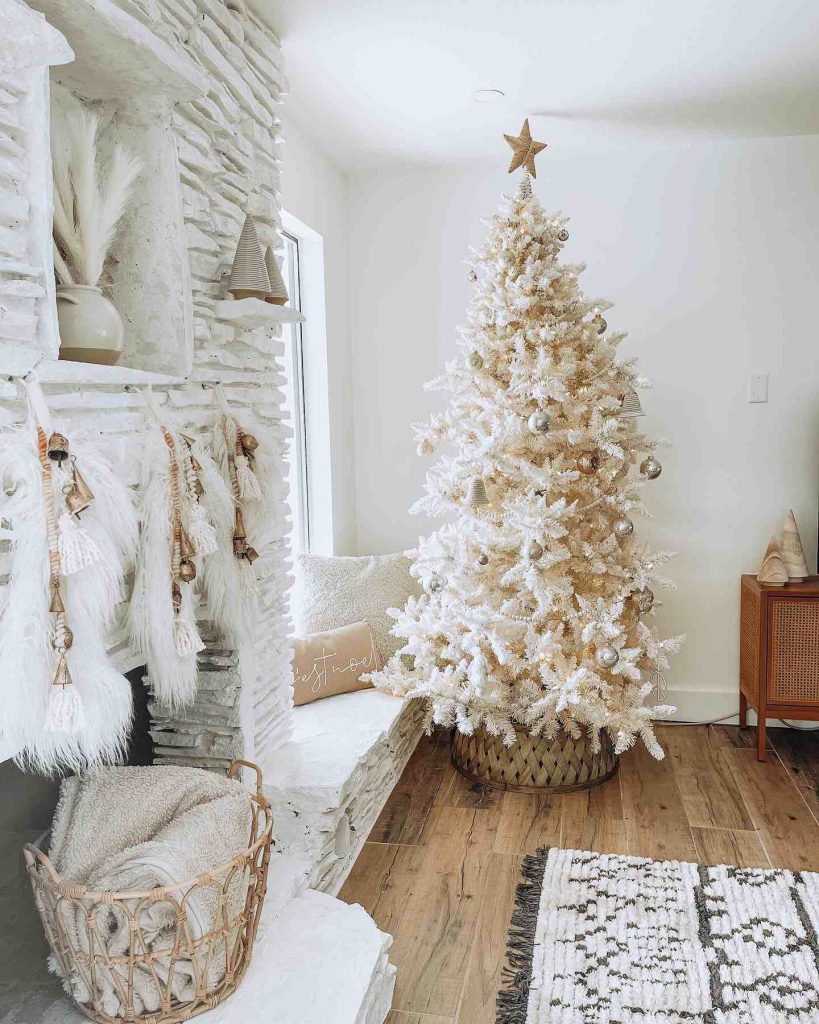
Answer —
743 710
761 749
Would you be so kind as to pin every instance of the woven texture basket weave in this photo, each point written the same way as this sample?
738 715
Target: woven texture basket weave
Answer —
533 764
218 958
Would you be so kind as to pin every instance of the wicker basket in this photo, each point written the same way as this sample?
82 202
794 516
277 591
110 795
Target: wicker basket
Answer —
218 959
533 764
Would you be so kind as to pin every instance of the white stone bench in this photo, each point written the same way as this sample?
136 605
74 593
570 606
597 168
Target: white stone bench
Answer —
327 785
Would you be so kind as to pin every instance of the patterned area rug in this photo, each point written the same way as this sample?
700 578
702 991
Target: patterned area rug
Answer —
598 939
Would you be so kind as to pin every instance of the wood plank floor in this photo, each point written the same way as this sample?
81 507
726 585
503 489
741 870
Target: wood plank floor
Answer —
440 867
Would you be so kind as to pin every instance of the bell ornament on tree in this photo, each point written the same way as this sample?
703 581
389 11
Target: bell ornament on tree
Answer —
623 527
539 422
474 361
651 468
476 494
645 600
606 656
534 551
588 463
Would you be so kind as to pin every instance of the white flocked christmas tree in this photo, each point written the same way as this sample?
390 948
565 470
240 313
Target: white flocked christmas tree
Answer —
538 589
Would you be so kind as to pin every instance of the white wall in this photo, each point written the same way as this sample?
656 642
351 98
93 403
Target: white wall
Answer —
710 255
314 191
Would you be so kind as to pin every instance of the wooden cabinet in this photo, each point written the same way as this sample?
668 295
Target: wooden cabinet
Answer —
778 652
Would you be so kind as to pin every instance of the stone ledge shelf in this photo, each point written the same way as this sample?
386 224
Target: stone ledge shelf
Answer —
253 313
320 961
117 56
328 784
65 371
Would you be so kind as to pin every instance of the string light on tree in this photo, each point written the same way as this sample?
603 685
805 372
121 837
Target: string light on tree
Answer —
546 614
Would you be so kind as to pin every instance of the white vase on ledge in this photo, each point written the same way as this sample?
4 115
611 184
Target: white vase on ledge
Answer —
91 329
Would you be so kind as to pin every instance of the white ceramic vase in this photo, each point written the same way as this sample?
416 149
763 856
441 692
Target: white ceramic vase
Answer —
91 329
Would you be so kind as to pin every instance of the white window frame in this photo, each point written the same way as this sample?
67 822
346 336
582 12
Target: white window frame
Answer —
315 385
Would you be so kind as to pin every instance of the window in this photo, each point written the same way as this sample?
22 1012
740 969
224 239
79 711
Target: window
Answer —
295 406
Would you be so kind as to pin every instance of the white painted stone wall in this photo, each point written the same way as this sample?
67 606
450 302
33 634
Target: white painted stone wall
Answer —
195 85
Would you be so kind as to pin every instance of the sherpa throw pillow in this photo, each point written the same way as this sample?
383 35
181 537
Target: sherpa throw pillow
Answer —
338 590
325 664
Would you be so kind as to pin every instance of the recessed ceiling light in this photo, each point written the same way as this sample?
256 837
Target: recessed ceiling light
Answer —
488 95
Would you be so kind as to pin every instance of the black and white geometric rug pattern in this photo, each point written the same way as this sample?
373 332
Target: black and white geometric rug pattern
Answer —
599 939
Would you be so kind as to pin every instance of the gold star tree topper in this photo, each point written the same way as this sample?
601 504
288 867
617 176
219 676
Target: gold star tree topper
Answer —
525 149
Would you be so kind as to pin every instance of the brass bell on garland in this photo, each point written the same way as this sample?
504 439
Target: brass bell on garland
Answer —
56 606
78 495
58 448
187 571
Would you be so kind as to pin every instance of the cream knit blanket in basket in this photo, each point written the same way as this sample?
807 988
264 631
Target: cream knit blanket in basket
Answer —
140 829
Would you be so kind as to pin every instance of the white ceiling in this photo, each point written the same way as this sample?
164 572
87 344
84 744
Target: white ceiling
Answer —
392 80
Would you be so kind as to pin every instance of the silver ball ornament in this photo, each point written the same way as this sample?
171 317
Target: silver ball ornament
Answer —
483 559
534 551
606 657
651 468
645 600
474 361
539 423
435 585
472 275
563 235
623 527
588 463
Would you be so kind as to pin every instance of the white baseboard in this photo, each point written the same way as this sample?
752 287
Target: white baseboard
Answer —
709 705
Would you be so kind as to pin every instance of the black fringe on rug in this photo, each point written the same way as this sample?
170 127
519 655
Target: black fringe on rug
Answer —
513 998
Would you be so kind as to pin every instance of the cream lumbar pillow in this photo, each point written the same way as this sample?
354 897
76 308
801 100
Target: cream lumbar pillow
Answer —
332 662
337 590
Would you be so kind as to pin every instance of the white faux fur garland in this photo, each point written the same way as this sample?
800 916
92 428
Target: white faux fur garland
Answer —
162 613
254 485
28 661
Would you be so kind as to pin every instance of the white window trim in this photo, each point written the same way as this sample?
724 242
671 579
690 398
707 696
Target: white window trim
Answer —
316 383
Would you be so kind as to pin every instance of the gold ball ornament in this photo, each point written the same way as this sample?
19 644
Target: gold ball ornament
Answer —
645 600
539 423
588 463
68 639
606 656
249 443
534 551
651 468
623 527
600 324
474 361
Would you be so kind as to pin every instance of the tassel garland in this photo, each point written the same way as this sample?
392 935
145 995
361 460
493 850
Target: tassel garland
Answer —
64 711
